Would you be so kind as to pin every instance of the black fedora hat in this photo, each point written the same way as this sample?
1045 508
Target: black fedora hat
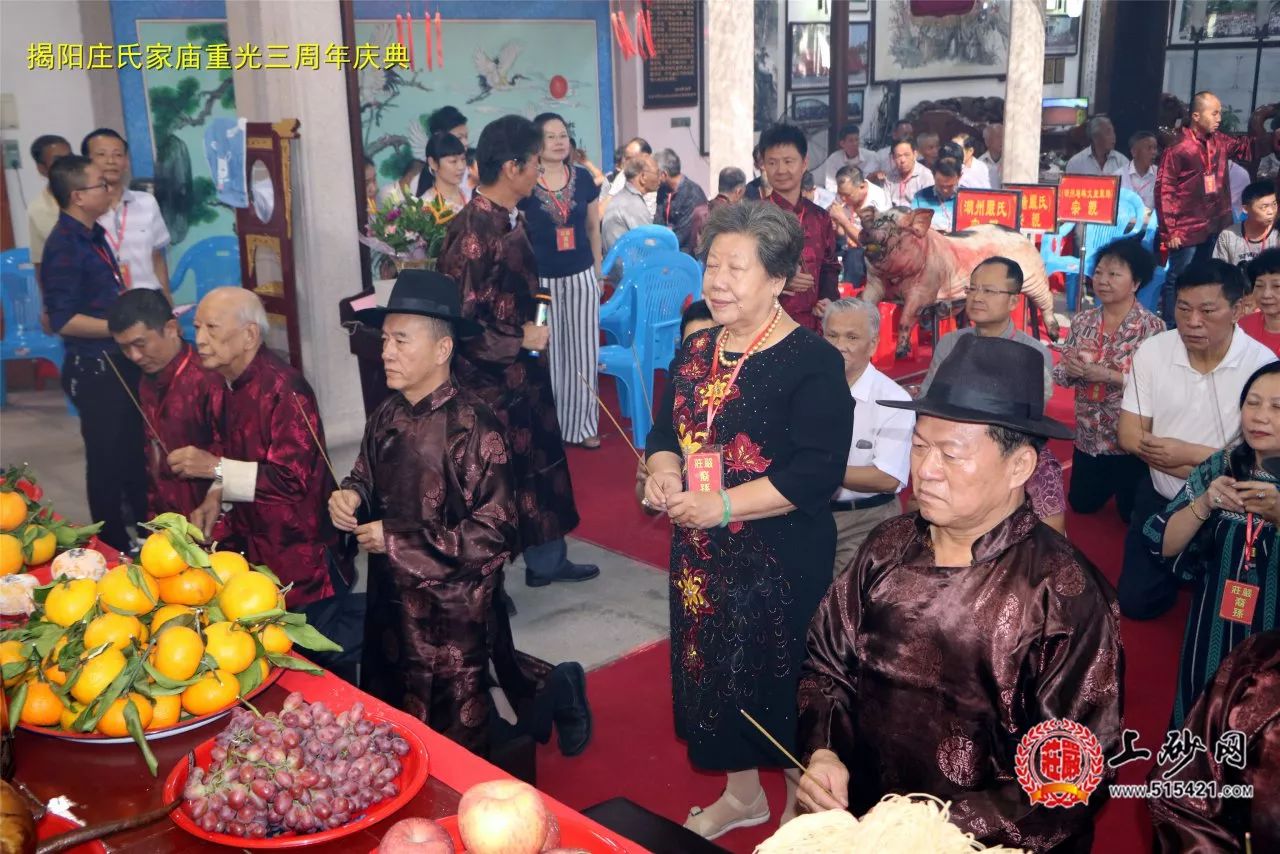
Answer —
425 293
989 381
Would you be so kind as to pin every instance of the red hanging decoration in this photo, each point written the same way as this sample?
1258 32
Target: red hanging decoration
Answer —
439 42
648 31
426 28
941 8
408 30
400 30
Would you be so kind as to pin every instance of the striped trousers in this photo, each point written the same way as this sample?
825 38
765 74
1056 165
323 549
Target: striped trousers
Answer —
574 352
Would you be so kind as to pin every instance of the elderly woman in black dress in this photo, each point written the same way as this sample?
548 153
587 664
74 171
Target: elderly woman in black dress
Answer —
749 445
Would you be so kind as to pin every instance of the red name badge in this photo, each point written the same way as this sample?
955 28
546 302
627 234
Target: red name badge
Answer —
1211 183
704 470
565 241
1096 392
1238 602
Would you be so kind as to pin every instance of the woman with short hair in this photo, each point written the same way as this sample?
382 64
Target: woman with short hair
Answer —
749 444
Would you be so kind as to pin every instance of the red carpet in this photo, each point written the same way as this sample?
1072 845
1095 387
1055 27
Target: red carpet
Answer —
635 753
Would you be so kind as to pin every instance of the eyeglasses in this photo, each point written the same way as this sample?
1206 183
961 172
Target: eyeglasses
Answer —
986 292
103 186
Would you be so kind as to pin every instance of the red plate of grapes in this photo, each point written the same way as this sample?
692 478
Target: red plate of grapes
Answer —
299 777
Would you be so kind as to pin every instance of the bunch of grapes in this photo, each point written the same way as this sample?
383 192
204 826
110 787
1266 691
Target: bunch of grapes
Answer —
303 770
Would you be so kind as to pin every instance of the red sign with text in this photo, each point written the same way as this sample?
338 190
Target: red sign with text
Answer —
1039 206
979 207
1089 198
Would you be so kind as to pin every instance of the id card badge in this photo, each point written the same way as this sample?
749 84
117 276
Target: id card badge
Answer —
1238 602
1095 392
704 469
125 275
1211 183
565 241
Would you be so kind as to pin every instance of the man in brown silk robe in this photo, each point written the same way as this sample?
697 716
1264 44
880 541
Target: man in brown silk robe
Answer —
961 626
272 473
488 255
182 401
1239 711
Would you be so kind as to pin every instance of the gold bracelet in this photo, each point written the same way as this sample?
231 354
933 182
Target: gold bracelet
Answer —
1192 505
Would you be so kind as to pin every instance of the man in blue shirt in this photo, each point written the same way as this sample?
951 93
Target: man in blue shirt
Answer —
81 281
941 197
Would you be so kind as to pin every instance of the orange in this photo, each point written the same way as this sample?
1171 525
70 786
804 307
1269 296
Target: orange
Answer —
230 645
115 629
112 721
248 593
189 587
11 651
166 711
274 639
97 673
69 714
42 708
69 601
215 691
13 510
167 612
159 558
53 672
227 564
177 652
42 548
10 554
118 592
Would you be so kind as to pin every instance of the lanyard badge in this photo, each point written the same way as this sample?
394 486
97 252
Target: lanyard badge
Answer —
704 469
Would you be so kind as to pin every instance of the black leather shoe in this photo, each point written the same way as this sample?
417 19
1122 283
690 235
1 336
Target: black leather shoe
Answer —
573 712
567 572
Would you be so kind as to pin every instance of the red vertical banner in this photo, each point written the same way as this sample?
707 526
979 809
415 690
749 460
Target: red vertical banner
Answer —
1089 198
979 207
1039 206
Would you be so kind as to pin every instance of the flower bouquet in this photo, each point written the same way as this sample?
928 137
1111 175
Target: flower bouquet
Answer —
409 231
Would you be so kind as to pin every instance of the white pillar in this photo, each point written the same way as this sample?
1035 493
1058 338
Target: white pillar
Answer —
1024 90
326 252
730 85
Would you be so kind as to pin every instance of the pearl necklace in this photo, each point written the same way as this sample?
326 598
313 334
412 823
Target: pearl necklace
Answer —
729 363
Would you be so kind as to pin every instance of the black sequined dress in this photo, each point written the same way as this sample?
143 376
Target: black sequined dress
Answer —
742 596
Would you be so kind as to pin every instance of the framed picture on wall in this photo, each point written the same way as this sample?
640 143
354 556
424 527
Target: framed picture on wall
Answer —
854 104
808 56
861 6
858 56
809 108
956 47
1061 35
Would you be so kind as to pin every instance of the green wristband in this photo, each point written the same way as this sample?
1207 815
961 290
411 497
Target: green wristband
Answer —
728 509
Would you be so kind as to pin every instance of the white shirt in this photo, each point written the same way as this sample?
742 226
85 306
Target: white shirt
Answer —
976 175
1183 403
993 169
903 192
650 199
42 216
1084 163
1238 179
135 229
1143 185
825 175
881 435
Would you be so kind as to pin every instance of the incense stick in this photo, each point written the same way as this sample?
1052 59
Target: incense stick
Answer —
145 420
621 432
804 772
319 444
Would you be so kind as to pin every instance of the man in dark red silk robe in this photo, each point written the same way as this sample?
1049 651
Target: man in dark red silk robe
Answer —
271 473
434 479
181 400
785 151
1237 720
488 255
961 626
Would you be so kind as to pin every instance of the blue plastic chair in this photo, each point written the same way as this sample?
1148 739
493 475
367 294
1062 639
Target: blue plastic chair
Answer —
617 316
668 281
23 336
1130 214
215 262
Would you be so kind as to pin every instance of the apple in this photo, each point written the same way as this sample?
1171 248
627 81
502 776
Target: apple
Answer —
416 836
503 817
552 841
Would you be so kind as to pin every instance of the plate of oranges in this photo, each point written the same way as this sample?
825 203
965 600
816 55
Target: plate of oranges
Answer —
150 649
